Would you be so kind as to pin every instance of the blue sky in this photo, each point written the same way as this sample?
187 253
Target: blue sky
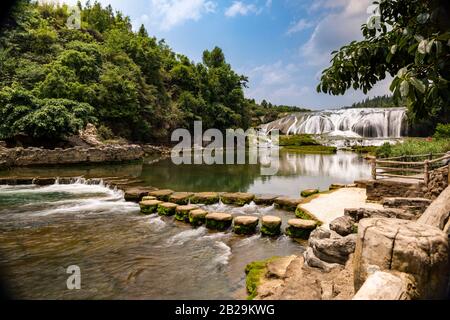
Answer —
281 45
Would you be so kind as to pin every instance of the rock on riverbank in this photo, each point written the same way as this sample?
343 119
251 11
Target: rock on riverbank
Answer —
20 157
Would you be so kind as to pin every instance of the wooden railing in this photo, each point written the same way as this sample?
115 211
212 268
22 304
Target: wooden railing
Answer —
416 167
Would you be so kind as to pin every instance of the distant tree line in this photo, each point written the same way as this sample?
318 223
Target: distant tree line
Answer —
385 101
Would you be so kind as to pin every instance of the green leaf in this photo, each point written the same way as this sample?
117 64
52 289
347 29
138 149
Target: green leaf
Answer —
404 88
419 85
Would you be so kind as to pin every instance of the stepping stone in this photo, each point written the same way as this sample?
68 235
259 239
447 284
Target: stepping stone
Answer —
336 186
149 206
205 198
148 198
286 203
136 194
197 217
238 198
167 209
181 198
218 221
271 226
162 195
300 228
309 192
265 199
182 212
245 225
303 213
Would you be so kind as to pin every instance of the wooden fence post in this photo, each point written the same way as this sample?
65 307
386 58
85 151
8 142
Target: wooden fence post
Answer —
374 168
426 172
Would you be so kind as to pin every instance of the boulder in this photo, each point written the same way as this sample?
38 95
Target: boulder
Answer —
218 221
162 195
270 226
363 213
237 198
343 226
334 250
419 250
309 192
438 213
267 200
167 209
181 198
197 217
299 228
312 261
205 198
182 212
320 233
382 286
287 203
149 206
245 225
277 268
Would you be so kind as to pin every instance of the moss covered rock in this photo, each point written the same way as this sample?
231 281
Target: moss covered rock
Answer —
149 206
300 228
218 221
182 212
148 198
303 214
271 226
167 209
245 225
205 198
238 198
181 198
162 195
197 217
309 192
136 194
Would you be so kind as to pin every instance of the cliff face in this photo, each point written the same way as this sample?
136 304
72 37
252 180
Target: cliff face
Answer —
18 157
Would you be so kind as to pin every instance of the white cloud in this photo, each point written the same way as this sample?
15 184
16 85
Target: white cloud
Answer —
240 8
337 28
171 13
298 26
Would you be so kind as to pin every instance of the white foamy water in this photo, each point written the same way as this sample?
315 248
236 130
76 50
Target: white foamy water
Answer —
224 253
352 123
185 236
214 236
249 240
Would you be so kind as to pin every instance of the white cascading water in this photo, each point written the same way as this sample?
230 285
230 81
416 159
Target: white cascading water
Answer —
351 123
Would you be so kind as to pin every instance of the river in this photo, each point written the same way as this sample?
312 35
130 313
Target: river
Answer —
124 255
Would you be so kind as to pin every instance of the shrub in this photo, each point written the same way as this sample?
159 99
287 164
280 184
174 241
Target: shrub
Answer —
442 131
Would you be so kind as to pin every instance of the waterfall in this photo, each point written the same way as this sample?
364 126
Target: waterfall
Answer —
367 123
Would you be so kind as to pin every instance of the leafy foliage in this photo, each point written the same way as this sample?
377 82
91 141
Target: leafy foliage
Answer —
414 146
442 131
412 44
54 79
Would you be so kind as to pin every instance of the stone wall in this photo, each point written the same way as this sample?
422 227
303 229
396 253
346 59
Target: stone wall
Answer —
18 157
438 182
379 189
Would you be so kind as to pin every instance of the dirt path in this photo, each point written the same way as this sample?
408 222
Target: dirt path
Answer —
327 207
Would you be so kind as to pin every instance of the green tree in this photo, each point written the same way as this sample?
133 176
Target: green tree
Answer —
410 40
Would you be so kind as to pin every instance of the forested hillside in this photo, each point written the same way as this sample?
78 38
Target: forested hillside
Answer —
55 79
376 102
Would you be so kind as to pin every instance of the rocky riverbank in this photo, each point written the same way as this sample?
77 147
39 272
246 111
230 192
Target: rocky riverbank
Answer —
21 157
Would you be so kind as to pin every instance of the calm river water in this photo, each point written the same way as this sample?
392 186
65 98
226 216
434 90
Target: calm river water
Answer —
124 255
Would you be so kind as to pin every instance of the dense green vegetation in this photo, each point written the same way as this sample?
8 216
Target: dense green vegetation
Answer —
55 79
414 146
375 102
304 143
408 39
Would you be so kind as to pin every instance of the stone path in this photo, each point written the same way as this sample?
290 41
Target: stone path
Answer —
327 207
